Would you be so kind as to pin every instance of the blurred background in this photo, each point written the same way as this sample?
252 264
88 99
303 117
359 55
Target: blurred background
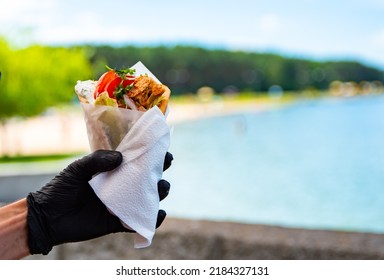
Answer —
277 108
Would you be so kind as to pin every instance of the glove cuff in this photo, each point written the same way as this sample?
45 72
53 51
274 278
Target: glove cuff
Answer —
38 240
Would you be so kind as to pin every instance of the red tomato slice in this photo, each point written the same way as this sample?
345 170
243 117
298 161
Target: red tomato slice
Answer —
109 82
112 85
103 81
129 80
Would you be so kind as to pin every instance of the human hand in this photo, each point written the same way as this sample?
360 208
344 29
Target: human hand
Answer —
67 209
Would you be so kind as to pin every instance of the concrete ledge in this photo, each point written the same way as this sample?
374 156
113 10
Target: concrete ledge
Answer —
180 239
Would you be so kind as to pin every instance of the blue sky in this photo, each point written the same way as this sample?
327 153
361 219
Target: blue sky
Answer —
318 29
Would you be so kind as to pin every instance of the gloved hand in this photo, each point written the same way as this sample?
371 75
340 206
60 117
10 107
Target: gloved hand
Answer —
67 209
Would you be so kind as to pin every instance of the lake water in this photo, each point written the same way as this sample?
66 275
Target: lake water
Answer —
313 164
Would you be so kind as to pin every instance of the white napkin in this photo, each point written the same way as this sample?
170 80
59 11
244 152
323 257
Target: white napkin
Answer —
130 191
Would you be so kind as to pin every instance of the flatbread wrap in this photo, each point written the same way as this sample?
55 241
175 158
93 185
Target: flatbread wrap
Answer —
123 89
125 95
126 110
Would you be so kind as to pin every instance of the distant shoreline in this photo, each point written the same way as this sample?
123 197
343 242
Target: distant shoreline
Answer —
64 131
179 113
188 111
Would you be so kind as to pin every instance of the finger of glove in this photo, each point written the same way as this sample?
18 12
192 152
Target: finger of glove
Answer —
160 217
167 161
163 189
117 226
98 161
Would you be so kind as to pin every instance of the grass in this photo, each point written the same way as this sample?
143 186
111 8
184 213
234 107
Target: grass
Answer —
36 158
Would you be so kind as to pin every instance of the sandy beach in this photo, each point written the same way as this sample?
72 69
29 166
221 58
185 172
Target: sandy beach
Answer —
64 131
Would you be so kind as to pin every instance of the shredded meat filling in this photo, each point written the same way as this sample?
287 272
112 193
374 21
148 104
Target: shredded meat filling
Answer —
144 91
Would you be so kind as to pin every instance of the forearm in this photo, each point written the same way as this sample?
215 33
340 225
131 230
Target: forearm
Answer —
14 231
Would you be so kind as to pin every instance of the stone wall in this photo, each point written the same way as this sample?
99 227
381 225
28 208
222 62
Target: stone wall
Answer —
179 239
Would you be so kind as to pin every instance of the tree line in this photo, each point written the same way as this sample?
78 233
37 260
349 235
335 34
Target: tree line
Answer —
37 77
186 68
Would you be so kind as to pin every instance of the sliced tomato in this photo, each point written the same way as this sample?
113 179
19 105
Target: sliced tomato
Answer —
103 81
129 80
109 82
112 86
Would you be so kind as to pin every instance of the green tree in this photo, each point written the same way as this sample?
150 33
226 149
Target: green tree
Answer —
36 78
187 68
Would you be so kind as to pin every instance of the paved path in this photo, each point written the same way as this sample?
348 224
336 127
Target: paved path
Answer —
16 187
18 179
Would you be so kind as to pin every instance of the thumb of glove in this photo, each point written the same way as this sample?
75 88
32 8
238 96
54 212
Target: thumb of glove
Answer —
98 161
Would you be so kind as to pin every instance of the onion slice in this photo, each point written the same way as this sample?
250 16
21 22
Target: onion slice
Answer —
128 101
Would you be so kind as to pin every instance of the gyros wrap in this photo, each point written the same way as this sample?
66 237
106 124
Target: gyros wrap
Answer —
135 89
126 110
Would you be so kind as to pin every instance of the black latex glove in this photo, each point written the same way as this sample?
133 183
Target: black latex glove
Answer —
67 209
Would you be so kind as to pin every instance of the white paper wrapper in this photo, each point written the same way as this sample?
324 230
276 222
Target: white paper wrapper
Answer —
107 126
130 191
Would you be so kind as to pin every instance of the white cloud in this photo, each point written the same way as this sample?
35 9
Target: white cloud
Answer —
269 23
20 19
82 27
377 39
10 8
260 25
263 31
25 12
